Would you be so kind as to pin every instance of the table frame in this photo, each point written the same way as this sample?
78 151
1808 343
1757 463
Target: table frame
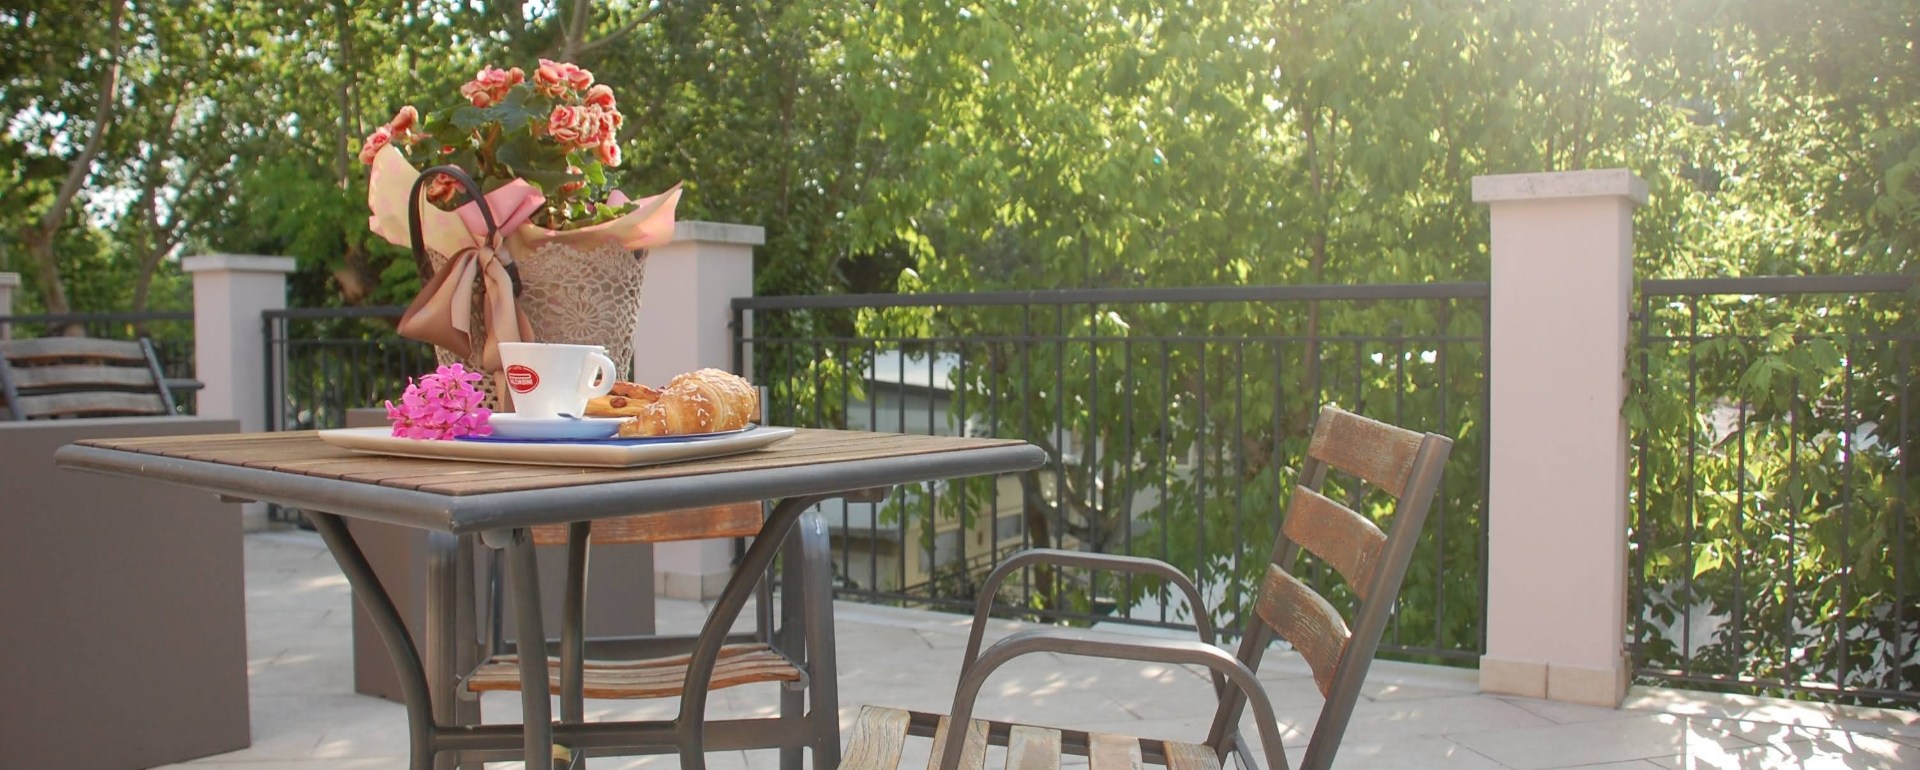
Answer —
502 519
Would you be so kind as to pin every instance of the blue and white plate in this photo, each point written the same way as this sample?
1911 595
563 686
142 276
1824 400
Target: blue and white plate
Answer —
595 453
506 437
513 426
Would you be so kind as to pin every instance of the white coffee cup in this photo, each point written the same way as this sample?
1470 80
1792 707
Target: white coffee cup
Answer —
548 379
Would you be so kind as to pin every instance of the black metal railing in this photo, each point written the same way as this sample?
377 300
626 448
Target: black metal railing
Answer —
170 330
322 362
1172 418
1774 538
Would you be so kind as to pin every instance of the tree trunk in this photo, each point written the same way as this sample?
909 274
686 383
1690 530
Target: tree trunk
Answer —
40 238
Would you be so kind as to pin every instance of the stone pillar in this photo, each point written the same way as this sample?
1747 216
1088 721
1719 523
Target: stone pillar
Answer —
685 312
1562 254
230 291
9 283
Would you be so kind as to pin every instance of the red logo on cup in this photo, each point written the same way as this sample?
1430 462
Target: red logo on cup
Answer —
522 379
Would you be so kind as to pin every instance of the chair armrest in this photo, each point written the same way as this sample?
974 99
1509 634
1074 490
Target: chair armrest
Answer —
1054 556
1081 643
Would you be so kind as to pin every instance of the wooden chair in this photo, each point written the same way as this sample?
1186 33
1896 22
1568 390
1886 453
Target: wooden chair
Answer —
1404 464
59 377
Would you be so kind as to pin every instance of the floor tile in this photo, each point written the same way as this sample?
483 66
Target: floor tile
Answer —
1588 743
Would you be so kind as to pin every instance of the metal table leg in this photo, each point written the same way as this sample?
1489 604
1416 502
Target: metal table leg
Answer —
372 595
536 723
691 724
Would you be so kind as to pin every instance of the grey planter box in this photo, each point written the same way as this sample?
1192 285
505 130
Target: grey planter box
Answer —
122 607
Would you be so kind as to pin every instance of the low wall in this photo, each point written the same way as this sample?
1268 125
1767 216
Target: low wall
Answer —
123 614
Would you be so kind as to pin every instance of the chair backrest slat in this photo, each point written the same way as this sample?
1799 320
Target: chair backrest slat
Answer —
81 377
57 377
50 349
1377 452
90 403
1337 535
1305 619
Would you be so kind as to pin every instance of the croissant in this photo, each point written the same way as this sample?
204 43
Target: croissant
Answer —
625 400
702 401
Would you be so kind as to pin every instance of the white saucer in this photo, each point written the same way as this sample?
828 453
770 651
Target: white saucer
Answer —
510 425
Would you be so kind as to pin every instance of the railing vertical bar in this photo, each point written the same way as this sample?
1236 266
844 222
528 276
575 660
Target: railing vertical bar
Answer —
1693 481
1486 460
1096 493
1058 440
1026 432
1849 444
1130 491
1792 522
1164 511
1239 471
1399 349
1200 474
1443 315
1902 508
1642 527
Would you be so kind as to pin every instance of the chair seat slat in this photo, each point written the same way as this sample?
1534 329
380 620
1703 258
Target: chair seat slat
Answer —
1191 756
1336 534
1032 748
1106 751
973 752
1305 619
878 737
738 665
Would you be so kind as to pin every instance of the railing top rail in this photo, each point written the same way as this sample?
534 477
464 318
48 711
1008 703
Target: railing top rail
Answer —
1777 285
110 317
307 313
1457 290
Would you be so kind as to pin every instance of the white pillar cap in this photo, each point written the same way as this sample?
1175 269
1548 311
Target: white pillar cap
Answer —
237 263
1615 182
719 232
9 280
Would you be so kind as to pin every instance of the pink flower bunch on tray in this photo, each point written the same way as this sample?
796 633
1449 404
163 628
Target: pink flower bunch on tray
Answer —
441 406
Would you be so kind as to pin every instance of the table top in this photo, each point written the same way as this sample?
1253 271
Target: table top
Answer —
298 469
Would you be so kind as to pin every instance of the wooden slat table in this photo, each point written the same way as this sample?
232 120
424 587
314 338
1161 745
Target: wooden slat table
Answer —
500 503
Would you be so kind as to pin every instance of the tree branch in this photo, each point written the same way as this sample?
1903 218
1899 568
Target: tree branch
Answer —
81 166
576 29
623 31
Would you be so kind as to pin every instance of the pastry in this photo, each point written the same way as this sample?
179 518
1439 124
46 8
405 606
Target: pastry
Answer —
703 401
625 400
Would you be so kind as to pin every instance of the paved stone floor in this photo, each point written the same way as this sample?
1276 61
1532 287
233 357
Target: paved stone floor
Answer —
306 716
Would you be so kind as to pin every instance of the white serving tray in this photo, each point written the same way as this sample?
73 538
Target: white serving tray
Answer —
603 453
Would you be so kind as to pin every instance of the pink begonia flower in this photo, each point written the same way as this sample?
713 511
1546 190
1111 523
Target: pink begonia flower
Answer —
491 85
600 96
569 187
567 124
441 406
442 189
609 153
378 140
403 120
552 77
